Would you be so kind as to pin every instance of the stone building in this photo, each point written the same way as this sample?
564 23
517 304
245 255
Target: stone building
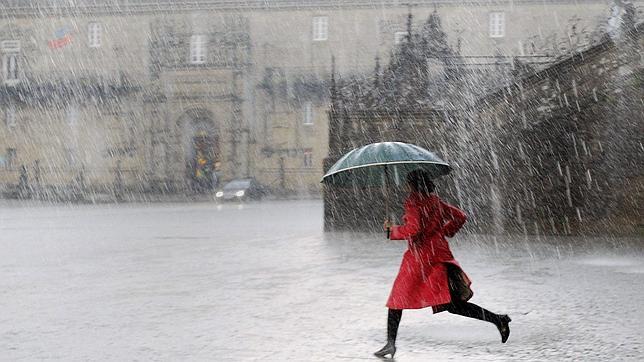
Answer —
563 146
126 96
554 148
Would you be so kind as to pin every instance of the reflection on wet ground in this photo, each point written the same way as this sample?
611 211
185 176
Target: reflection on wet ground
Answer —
263 282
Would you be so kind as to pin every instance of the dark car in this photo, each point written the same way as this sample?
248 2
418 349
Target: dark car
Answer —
241 190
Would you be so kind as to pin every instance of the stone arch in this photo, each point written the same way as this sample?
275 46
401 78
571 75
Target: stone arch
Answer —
199 137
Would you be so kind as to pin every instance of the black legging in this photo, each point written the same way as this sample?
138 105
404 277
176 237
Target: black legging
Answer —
472 310
465 309
393 320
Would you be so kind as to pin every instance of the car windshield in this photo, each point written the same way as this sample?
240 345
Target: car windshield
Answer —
237 185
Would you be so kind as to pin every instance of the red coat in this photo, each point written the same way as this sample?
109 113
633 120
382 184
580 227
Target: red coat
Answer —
422 279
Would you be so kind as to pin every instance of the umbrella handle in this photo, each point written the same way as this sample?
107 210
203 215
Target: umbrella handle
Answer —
389 222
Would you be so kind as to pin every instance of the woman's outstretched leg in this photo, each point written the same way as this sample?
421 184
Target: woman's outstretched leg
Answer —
472 310
393 321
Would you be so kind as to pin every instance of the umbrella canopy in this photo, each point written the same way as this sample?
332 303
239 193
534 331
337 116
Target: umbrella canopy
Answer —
379 163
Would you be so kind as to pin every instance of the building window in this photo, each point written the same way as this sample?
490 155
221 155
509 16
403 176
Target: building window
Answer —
198 49
10 116
10 67
307 114
320 28
94 35
72 114
10 60
400 37
497 24
10 158
308 158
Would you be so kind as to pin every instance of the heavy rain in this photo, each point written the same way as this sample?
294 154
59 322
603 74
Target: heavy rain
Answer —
284 179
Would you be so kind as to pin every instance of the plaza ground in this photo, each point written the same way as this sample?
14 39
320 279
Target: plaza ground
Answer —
263 282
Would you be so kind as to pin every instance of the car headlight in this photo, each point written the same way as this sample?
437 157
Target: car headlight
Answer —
239 193
219 194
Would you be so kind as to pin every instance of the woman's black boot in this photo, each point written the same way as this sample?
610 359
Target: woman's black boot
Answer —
388 349
393 321
504 327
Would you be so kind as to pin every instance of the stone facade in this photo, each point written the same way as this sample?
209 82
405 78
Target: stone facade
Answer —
555 149
564 147
126 107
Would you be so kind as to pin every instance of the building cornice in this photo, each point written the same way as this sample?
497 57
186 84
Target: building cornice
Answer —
46 8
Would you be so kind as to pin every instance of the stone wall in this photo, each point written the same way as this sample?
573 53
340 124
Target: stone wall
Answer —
561 148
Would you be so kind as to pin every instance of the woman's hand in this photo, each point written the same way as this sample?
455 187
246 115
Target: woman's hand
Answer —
386 225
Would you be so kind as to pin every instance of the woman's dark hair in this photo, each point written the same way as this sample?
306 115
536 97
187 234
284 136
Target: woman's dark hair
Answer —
420 181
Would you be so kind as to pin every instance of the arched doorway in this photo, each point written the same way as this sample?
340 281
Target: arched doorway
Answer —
202 153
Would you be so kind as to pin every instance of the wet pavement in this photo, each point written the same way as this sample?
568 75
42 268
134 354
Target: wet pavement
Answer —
263 282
